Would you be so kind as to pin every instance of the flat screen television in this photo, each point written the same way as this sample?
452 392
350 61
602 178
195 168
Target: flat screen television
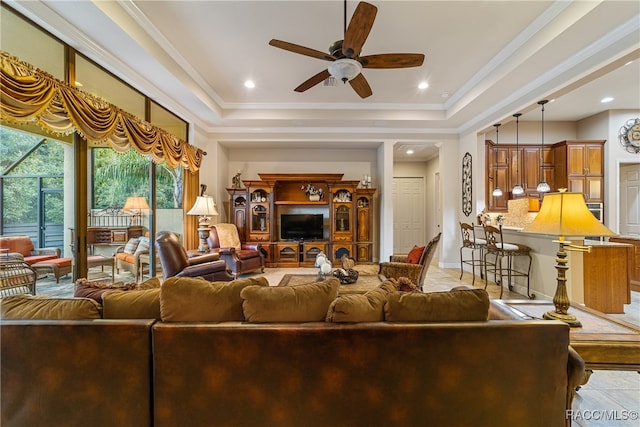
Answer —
301 226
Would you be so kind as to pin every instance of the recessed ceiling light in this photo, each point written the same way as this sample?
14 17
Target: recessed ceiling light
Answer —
423 85
409 151
249 84
606 99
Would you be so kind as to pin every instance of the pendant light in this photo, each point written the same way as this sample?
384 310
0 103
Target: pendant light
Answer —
517 189
543 187
497 192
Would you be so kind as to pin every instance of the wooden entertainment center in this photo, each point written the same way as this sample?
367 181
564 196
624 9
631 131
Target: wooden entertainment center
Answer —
346 208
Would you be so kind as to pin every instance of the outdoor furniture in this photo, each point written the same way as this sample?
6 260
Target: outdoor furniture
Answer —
128 256
102 261
58 267
16 276
23 246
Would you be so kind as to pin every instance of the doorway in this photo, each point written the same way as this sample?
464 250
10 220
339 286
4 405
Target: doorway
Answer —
408 214
629 209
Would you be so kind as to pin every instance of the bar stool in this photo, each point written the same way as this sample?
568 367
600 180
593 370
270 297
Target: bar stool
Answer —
473 244
498 248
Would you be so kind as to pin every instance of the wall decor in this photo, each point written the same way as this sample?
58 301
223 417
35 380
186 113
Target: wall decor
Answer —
629 135
467 187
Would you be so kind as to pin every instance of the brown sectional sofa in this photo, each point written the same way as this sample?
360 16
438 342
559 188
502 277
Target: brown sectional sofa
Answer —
235 373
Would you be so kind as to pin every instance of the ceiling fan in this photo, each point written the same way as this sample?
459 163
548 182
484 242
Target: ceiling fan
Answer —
344 55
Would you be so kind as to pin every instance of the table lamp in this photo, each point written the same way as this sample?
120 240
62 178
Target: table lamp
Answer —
204 207
565 214
135 204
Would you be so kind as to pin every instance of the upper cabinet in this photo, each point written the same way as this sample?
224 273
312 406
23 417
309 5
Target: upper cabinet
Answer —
575 165
580 168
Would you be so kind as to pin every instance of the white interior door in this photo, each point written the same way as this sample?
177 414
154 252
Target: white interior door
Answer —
630 200
408 214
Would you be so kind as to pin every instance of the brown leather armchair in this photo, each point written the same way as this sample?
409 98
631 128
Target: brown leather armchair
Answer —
240 257
175 261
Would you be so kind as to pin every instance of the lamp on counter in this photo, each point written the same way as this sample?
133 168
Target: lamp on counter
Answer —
204 207
135 204
565 214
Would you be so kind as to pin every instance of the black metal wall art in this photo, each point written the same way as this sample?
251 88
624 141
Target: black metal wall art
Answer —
467 187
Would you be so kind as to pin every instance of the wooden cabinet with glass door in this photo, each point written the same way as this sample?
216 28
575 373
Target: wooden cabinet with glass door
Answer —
342 223
364 232
259 213
580 168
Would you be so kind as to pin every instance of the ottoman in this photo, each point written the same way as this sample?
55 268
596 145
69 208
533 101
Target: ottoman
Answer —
58 267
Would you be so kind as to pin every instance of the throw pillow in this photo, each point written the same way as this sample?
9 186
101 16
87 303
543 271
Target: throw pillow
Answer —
406 285
132 244
95 290
368 307
415 254
188 299
143 246
138 304
27 307
463 305
300 303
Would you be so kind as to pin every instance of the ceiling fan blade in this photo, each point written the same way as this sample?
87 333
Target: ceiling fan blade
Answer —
291 47
358 30
361 86
318 78
392 60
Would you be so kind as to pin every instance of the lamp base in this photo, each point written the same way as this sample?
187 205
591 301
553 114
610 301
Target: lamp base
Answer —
203 233
569 319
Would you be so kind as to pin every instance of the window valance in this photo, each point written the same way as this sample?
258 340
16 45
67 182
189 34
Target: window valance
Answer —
31 95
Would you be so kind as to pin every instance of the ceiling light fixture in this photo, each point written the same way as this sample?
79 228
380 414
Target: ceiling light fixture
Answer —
497 192
345 69
249 84
606 99
423 85
517 189
409 151
543 187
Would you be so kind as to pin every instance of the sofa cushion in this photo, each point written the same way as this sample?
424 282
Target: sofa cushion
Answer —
20 244
368 307
194 299
137 304
132 244
301 303
461 305
414 255
94 290
27 307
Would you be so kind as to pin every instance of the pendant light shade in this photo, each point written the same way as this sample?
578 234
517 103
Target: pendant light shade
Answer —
517 189
543 187
497 192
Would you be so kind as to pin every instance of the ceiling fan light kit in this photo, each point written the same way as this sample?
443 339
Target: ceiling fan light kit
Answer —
344 55
345 69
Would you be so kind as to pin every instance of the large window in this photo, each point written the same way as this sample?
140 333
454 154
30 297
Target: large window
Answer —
31 187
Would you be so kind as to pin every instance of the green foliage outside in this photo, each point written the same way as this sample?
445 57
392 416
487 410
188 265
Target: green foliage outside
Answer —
20 189
120 175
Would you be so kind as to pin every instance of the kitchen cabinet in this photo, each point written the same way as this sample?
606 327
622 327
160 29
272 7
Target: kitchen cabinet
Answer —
580 168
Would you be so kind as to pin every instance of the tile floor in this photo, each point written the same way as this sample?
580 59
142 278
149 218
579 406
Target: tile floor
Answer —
609 399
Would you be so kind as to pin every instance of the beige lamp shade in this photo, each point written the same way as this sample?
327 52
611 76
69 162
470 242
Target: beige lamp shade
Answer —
204 207
566 214
135 203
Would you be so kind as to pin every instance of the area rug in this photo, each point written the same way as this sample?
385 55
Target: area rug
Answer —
362 285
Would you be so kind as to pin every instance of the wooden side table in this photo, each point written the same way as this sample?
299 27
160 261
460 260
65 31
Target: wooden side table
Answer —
603 342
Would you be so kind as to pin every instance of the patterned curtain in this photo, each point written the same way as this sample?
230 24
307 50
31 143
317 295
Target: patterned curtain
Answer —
33 96
190 190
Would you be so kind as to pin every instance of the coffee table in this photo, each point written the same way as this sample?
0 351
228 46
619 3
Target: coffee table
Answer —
603 341
362 285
